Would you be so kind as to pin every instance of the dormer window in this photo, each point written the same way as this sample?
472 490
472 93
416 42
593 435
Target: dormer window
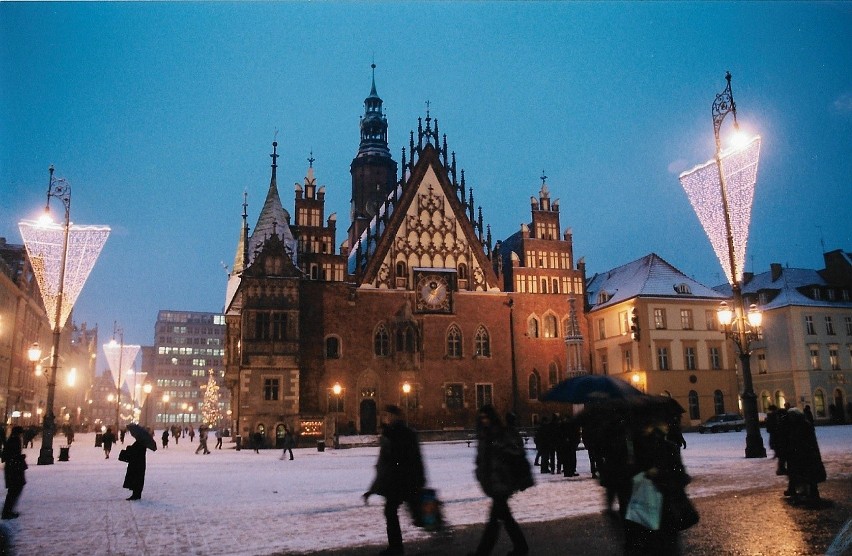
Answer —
683 289
603 297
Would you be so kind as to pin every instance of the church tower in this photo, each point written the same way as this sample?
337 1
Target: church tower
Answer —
373 169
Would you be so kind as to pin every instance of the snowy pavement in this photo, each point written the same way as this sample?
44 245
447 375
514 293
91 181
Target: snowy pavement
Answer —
243 503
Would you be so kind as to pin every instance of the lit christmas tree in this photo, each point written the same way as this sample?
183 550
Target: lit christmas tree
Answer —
210 406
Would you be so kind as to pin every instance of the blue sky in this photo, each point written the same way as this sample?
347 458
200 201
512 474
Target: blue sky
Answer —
160 115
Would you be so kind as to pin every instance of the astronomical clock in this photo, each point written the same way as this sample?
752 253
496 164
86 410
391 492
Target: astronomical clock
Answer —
433 290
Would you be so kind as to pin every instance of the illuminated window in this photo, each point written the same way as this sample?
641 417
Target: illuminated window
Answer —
271 389
686 319
532 327
550 326
819 403
454 396
660 319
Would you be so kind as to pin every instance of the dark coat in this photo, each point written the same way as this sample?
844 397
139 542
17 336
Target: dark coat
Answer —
804 462
134 479
108 439
16 462
399 470
499 466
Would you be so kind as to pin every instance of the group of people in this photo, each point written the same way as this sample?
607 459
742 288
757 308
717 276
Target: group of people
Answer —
501 470
793 440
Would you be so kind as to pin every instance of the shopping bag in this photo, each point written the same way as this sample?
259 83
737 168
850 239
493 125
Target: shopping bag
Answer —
646 503
427 513
678 512
124 456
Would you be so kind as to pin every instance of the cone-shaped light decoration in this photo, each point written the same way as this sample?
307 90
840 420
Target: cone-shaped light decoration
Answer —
44 243
703 186
120 355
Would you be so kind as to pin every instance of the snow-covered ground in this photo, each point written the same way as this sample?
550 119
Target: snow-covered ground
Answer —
243 503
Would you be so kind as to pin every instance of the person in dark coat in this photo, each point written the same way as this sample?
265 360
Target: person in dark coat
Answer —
496 449
399 473
165 438
289 442
107 440
257 440
134 479
660 460
675 434
804 462
13 472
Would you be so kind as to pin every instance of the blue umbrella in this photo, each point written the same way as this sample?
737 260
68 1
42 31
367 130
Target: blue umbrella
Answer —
590 388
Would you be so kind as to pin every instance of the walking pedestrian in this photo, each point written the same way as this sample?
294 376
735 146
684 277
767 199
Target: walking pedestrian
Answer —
13 472
500 472
202 440
804 462
107 440
257 440
659 460
218 439
165 438
399 474
191 433
288 442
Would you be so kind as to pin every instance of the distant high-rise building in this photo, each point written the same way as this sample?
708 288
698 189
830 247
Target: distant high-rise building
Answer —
187 344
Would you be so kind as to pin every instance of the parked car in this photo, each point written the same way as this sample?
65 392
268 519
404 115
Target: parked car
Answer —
723 422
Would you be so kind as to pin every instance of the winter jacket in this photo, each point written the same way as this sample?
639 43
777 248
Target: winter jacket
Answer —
501 466
399 470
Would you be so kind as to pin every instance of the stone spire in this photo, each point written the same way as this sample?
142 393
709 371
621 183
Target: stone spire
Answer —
273 219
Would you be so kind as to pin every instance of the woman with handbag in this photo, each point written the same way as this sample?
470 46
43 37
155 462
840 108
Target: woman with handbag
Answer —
13 472
134 479
659 468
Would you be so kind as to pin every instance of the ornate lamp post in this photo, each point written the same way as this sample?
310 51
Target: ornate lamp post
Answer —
406 389
166 399
62 256
721 191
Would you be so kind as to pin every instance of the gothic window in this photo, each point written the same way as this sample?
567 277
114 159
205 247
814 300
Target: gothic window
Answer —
381 342
694 410
454 342
718 402
532 327
544 285
401 271
555 285
482 343
462 271
553 374
550 326
332 347
534 385
405 339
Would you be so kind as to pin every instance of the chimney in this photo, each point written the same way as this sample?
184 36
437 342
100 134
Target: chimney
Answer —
776 270
747 277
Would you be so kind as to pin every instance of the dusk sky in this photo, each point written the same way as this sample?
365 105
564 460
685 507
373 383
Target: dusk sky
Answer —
161 115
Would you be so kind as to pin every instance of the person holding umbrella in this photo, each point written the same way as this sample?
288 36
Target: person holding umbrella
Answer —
134 455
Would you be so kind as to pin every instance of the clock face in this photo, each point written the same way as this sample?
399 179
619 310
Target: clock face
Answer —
433 292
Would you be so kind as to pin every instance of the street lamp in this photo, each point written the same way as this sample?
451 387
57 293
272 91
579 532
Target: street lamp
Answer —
721 191
62 257
406 389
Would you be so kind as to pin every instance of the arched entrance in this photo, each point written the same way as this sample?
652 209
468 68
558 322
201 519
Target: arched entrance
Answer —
839 405
367 412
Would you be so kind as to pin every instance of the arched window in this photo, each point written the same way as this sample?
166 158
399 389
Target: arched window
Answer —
694 410
332 347
819 404
765 401
718 402
482 343
462 271
532 327
534 385
454 342
381 342
780 400
550 326
405 339
553 374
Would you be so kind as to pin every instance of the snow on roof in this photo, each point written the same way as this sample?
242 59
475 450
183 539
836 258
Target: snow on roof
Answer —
785 289
650 276
273 219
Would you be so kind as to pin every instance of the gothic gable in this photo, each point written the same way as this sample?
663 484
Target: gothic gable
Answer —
429 229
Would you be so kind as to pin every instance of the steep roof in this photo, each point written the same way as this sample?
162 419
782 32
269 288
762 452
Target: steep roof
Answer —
650 276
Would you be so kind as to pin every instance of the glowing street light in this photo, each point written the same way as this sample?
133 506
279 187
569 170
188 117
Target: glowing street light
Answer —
62 257
721 192
120 358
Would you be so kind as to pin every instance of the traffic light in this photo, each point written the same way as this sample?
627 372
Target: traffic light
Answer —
634 324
